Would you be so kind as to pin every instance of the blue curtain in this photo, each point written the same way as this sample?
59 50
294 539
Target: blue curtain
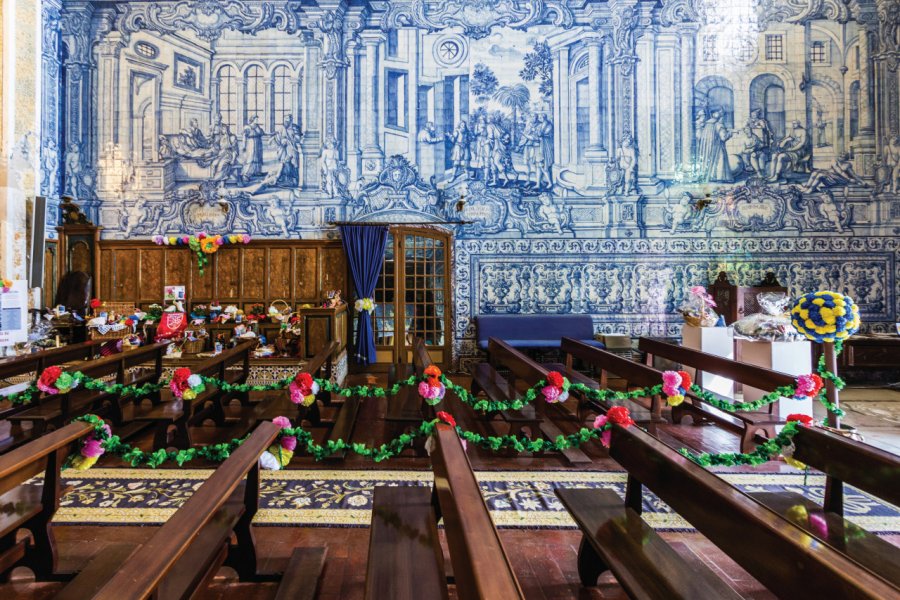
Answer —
364 246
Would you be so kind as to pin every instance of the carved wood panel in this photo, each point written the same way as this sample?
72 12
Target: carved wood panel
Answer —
296 271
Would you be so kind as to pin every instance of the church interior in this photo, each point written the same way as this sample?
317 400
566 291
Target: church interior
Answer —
612 286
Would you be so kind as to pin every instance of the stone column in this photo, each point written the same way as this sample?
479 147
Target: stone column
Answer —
373 156
688 33
351 110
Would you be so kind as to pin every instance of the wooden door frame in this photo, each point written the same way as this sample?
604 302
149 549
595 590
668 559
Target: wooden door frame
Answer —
398 233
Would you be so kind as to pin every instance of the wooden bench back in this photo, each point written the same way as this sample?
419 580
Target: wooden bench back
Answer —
119 362
863 466
215 366
23 463
635 373
480 564
520 365
781 556
38 361
146 568
758 377
421 357
322 358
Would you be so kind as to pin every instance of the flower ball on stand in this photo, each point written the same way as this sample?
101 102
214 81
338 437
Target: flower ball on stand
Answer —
825 316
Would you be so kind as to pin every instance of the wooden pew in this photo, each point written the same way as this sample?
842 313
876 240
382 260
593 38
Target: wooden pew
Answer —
405 556
487 379
788 561
135 367
746 423
32 507
523 368
179 415
30 366
636 374
407 409
843 460
183 556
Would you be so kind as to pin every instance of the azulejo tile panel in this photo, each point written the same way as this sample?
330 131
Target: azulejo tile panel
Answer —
592 149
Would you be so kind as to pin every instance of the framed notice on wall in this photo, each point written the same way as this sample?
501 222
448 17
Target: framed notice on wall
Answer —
14 313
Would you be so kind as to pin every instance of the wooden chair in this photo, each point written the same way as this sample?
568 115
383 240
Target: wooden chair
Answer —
31 507
746 423
788 561
135 367
864 467
405 556
183 556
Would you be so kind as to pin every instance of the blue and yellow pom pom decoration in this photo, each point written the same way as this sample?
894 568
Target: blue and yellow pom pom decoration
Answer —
825 316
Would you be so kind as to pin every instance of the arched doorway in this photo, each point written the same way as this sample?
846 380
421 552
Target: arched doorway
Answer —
715 93
412 297
767 96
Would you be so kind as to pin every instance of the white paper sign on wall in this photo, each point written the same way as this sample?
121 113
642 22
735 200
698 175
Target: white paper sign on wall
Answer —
14 314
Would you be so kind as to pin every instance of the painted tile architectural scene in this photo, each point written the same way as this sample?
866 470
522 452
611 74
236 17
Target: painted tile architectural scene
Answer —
580 143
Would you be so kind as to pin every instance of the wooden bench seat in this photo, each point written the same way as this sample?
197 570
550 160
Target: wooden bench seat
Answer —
745 423
485 378
405 558
183 556
32 507
645 565
784 558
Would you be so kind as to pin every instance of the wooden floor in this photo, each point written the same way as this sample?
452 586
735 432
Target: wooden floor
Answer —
544 559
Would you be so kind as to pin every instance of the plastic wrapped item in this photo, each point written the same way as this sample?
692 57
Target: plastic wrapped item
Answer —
771 325
697 308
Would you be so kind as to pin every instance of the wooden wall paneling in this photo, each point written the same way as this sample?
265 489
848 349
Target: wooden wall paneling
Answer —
151 272
202 286
306 275
178 265
279 271
333 270
125 275
253 273
227 273
316 334
106 268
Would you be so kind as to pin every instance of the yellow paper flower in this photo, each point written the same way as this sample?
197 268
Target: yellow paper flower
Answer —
675 400
83 463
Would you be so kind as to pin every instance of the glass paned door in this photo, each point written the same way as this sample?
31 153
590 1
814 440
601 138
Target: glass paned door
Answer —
412 296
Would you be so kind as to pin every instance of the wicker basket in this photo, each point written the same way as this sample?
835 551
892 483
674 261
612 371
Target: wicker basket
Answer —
110 335
193 346
284 308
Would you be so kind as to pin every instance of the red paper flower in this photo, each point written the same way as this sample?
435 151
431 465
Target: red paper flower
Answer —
800 418
96 303
304 381
446 418
432 371
685 380
620 416
555 379
49 377
179 378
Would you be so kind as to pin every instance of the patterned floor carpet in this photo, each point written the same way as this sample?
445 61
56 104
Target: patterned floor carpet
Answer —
522 499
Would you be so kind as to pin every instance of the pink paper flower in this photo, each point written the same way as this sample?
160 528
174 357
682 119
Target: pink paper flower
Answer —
606 436
289 443
551 393
282 422
92 448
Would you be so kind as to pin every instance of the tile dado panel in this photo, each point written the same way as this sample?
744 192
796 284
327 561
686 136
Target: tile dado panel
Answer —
604 154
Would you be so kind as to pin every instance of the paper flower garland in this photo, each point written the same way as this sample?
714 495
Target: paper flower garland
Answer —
186 385
92 449
618 415
808 386
303 389
364 304
432 389
556 389
56 381
202 244
675 385
279 455
6 285
788 453
825 316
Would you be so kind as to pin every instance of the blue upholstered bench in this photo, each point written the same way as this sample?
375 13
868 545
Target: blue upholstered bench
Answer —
534 331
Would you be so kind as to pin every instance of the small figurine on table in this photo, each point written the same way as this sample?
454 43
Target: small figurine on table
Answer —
332 299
